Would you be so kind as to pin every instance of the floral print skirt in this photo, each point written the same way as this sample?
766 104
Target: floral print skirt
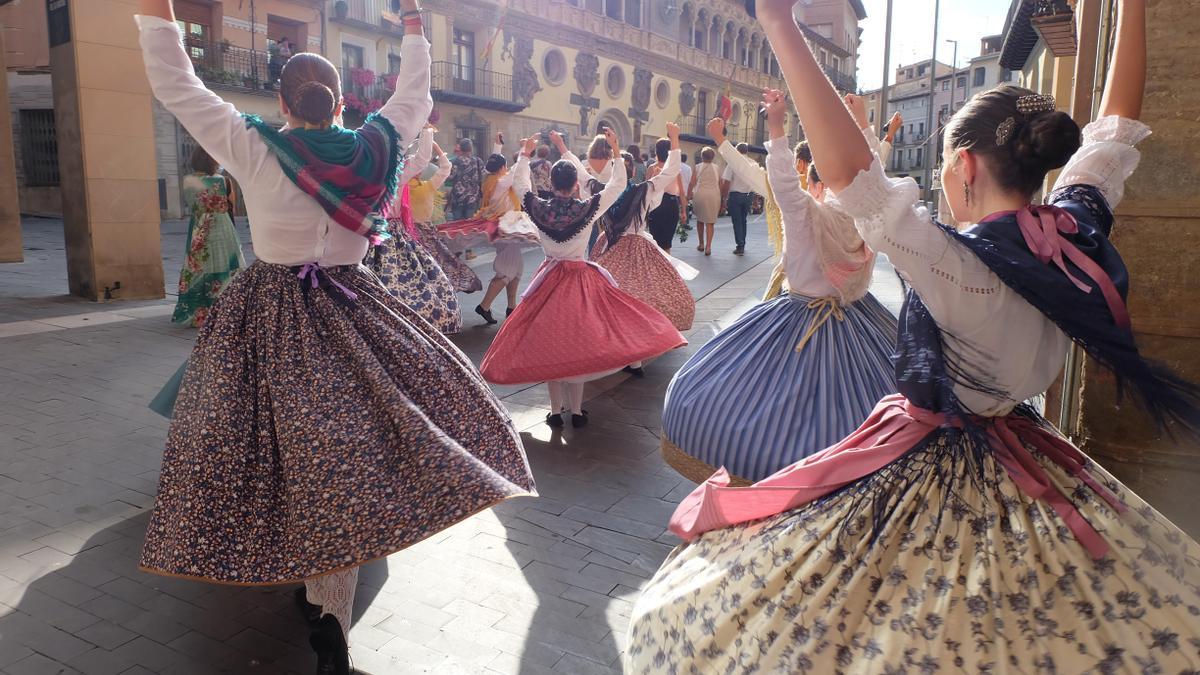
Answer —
314 433
460 274
414 277
646 274
927 567
214 255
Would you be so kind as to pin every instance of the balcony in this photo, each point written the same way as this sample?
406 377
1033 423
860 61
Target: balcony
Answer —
230 67
450 83
842 82
367 14
694 130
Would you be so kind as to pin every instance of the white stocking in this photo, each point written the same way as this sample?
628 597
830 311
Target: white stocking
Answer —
556 397
575 393
334 592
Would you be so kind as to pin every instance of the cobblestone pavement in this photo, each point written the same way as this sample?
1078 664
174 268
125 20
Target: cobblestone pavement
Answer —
533 586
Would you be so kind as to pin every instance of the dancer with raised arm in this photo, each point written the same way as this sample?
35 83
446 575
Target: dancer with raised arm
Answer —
628 251
795 374
424 199
407 270
955 530
308 439
573 324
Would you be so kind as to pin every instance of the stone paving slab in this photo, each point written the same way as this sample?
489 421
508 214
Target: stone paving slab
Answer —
535 585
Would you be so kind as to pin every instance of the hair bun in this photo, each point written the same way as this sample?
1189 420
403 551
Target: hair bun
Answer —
315 102
1046 141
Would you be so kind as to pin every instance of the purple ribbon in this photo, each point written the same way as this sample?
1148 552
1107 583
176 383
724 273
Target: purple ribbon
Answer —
312 270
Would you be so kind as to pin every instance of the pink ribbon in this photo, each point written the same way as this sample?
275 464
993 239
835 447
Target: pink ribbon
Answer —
1043 228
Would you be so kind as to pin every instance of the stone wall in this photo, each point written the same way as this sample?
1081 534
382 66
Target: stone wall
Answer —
1158 233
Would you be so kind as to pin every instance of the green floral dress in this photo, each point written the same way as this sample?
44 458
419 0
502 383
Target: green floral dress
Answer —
214 254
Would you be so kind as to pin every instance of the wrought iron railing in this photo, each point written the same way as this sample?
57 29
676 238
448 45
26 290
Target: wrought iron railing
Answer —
224 64
841 81
451 79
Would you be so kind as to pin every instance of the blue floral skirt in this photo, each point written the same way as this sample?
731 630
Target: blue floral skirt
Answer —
414 277
933 564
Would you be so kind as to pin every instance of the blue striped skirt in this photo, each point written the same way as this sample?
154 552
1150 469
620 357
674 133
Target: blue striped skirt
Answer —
750 402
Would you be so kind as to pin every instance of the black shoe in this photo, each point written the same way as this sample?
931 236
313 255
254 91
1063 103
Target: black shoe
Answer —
486 314
636 372
554 420
508 312
310 612
739 251
328 641
579 420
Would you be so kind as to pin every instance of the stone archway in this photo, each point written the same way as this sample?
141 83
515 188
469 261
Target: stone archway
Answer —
619 122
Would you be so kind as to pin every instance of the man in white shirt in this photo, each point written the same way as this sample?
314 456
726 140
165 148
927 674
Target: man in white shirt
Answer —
739 195
685 170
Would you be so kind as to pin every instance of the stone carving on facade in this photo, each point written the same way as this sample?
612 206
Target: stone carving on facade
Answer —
525 82
585 116
640 94
587 72
687 98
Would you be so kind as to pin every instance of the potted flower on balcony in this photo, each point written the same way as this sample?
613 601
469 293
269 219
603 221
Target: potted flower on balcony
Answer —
340 9
1055 22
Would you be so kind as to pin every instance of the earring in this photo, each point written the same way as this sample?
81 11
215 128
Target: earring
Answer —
967 192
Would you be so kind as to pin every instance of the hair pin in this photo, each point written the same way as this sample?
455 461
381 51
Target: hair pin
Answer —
1034 103
1005 130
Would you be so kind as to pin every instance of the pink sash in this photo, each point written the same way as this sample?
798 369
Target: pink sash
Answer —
894 427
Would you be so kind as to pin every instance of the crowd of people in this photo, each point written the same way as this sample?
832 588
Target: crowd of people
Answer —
875 495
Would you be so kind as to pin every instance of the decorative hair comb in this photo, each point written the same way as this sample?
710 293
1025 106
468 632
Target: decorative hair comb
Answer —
1026 106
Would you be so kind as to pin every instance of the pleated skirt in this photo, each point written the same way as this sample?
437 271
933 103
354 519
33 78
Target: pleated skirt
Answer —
750 402
646 274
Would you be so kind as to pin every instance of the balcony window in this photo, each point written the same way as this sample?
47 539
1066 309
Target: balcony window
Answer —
612 9
633 13
464 55
980 77
393 64
196 37
1006 75
353 58
962 82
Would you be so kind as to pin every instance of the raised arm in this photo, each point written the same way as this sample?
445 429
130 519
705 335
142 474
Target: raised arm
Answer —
1126 86
735 162
409 107
521 180
213 122
618 181
416 162
837 145
669 172
444 168
794 203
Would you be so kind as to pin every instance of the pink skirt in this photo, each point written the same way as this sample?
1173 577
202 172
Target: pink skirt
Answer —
469 232
646 274
575 323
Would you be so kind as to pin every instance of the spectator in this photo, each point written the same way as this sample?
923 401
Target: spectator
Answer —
539 170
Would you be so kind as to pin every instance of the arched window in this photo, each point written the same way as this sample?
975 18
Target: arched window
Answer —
727 42
714 36
700 32
687 28
741 47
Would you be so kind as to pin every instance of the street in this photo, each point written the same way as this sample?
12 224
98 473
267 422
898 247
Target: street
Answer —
533 586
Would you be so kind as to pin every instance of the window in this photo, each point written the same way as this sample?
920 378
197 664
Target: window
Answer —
702 107
554 66
195 38
352 59
614 81
837 65
945 85
920 152
1006 75
612 9
871 116
921 129
633 13
393 64
962 82
662 94
980 77
921 70
464 55
39 148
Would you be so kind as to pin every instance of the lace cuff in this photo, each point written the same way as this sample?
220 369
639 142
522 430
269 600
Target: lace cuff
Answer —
1114 129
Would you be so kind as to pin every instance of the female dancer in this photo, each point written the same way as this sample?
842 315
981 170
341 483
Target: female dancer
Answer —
407 270
798 372
666 218
705 195
627 251
573 324
501 222
424 198
308 439
214 253
955 530
598 169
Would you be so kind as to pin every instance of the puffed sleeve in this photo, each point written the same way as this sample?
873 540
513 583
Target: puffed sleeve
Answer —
1094 179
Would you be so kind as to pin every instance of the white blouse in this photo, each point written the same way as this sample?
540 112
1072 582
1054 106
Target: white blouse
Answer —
1009 340
575 248
584 169
801 262
743 173
287 226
